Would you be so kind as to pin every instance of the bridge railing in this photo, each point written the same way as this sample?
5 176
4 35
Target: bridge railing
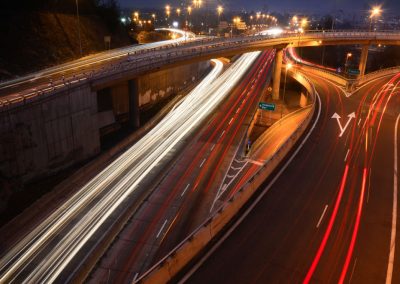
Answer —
186 50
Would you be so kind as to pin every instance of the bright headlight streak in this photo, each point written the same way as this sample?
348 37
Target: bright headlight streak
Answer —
188 116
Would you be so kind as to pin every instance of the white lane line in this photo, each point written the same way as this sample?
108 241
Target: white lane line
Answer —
359 122
389 272
352 271
322 216
202 163
345 158
251 207
230 121
213 146
237 110
159 232
222 134
186 188
135 277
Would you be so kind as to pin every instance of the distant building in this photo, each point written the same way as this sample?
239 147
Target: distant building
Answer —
223 25
240 25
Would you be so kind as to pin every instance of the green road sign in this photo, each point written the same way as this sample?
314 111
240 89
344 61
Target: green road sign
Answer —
354 71
266 106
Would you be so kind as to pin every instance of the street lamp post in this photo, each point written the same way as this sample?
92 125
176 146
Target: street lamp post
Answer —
288 67
79 27
348 55
219 11
375 12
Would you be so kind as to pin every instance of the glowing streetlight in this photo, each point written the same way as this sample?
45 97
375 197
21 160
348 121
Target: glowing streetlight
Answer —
220 9
304 22
375 12
348 55
168 10
189 9
178 12
197 3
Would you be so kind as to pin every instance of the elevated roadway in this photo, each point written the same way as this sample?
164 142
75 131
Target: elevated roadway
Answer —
127 65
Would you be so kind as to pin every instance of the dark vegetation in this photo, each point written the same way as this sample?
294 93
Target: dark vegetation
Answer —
38 34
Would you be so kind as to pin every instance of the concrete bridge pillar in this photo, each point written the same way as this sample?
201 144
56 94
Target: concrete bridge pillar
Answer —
277 74
134 114
363 60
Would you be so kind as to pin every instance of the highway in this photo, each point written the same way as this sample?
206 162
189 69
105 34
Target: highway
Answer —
330 216
183 198
56 247
181 51
84 68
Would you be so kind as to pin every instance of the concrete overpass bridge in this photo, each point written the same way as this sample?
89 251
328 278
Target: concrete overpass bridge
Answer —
146 60
67 101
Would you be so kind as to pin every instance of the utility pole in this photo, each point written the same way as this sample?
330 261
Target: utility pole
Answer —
79 27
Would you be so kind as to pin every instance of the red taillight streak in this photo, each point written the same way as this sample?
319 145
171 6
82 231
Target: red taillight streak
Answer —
328 229
355 230
173 192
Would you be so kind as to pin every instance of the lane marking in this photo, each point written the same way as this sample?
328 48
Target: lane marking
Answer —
359 122
352 271
135 277
343 128
202 163
162 227
389 273
186 188
230 121
322 216
197 265
237 110
213 146
222 134
345 158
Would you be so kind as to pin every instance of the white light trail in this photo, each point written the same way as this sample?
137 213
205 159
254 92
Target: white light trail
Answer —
92 205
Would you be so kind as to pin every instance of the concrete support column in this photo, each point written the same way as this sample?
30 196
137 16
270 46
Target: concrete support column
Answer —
277 74
134 114
363 60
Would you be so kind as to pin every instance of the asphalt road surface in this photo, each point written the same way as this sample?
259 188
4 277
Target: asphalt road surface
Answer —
329 217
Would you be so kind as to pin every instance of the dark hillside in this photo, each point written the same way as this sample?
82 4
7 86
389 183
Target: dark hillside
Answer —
42 35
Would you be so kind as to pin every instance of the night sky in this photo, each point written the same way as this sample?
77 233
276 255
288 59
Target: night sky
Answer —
392 6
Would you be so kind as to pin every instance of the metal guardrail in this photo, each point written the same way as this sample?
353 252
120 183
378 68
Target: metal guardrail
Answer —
174 52
219 213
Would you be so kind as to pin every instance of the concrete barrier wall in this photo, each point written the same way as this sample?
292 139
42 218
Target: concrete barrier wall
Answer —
177 259
377 74
326 75
56 130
